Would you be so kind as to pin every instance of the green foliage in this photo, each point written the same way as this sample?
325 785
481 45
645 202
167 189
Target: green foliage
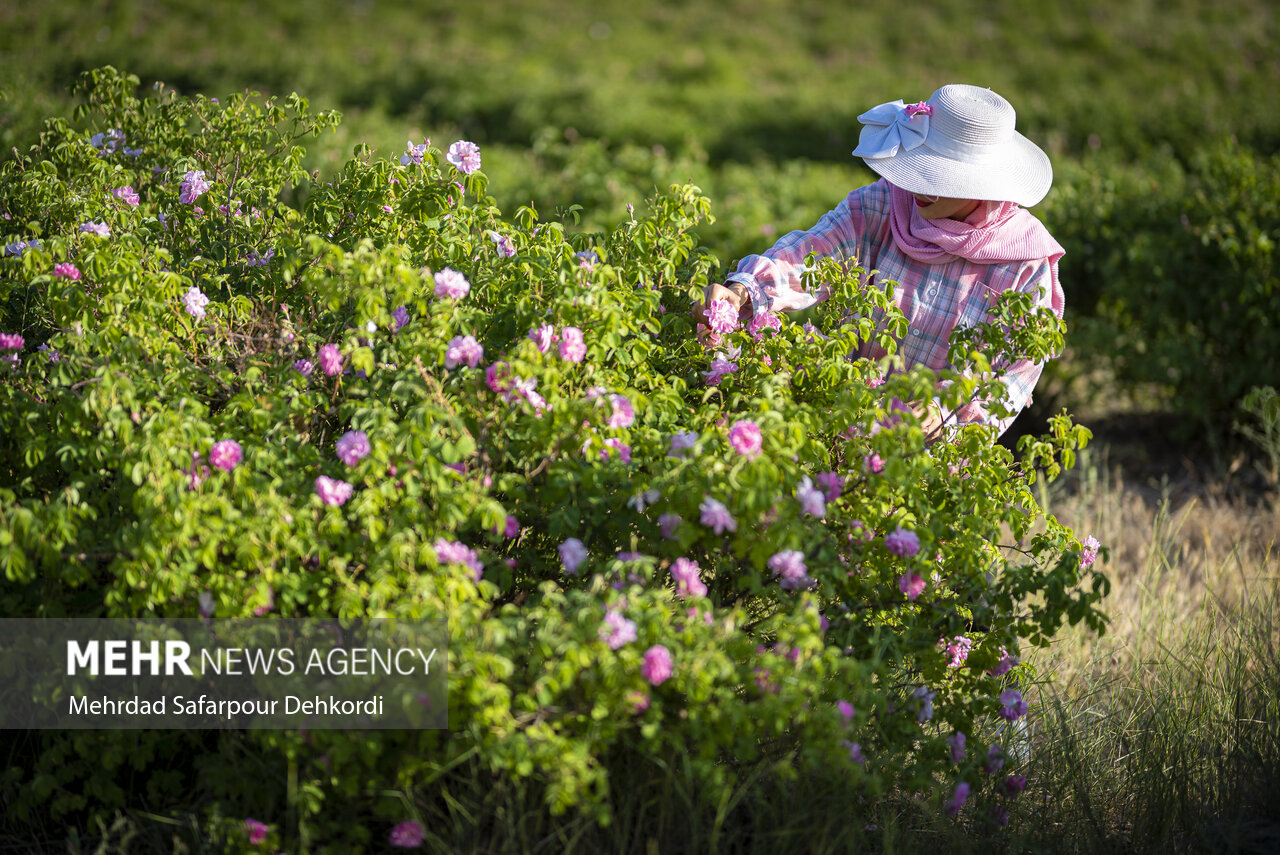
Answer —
1175 276
1263 429
116 503
785 80
759 200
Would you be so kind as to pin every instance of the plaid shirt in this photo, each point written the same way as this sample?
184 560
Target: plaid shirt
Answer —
935 298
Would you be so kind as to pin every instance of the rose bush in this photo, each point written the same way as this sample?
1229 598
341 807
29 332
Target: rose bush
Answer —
389 399
1175 277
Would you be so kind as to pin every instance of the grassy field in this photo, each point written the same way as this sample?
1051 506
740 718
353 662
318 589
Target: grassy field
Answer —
737 78
721 91
1164 735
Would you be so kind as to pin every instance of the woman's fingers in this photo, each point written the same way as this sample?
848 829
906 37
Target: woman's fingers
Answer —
712 292
717 291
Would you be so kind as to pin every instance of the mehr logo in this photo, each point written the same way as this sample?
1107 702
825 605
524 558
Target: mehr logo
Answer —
123 658
116 660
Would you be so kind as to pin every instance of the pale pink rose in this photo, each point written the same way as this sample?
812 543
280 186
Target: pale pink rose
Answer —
657 667
572 346
572 553
332 491
911 584
407 835
722 317
745 438
688 582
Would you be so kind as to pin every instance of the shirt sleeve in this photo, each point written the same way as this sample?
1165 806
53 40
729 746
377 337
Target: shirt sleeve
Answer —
1020 378
773 279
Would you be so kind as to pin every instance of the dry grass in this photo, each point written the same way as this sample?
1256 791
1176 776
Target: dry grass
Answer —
1163 734
1180 555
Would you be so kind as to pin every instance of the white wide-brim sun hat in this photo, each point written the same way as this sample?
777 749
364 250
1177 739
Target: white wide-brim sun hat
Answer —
960 144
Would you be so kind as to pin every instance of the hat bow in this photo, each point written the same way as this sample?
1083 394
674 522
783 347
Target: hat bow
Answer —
889 127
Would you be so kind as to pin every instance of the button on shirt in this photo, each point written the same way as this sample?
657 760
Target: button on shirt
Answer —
934 298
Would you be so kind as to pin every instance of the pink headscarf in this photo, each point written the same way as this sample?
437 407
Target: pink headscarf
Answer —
995 232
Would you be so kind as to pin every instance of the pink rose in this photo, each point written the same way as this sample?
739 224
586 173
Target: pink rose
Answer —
657 667
745 438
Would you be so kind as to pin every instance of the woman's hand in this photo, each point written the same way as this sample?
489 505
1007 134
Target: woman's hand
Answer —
735 293
930 415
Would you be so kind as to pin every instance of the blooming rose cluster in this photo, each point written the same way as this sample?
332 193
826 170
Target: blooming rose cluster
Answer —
194 301
193 187
722 317
451 284
746 439
352 447
956 650
902 542
332 491
813 493
721 366
1090 552
127 195
790 569
463 350
407 835
572 553
716 516
658 666
622 415
688 582
225 454
813 501
617 630
413 153
465 156
453 552
330 358
499 379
